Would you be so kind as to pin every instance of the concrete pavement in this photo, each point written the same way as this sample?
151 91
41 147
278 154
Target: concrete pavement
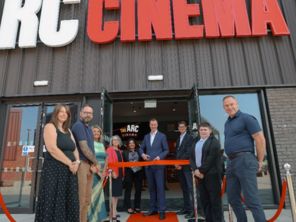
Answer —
284 217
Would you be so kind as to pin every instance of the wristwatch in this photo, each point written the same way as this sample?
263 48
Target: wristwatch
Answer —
78 161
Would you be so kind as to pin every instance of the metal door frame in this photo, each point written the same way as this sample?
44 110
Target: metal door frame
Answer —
38 153
36 142
105 96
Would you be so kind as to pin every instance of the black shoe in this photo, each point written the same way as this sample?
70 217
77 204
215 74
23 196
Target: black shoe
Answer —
181 212
150 213
161 215
114 219
193 220
137 210
189 215
199 219
130 211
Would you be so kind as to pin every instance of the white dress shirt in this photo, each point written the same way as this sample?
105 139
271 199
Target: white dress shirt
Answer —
152 137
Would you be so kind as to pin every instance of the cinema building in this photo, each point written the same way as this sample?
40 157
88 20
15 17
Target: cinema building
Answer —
136 59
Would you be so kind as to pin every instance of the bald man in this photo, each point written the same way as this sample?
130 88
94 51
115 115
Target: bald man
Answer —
241 131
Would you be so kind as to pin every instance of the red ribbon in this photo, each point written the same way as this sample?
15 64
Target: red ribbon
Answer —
149 163
282 201
5 210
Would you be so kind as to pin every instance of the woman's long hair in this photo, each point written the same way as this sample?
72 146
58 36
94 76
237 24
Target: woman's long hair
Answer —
101 132
54 116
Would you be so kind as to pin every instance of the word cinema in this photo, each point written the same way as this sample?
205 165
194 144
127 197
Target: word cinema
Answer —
140 20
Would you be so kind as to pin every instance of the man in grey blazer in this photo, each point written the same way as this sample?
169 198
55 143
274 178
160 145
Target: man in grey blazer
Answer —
155 147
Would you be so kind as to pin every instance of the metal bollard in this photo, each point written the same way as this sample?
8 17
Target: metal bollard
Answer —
110 195
230 213
291 190
194 198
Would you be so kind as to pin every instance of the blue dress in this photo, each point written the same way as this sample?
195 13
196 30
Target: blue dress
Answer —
58 192
97 211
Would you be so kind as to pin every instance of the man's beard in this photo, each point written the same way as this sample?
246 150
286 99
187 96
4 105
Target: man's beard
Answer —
86 120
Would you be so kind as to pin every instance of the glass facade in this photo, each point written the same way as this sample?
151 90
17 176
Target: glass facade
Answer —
211 110
19 149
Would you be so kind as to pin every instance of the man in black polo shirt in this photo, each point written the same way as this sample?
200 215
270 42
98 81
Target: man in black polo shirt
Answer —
241 130
85 144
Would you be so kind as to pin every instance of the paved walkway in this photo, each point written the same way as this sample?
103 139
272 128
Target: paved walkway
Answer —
284 217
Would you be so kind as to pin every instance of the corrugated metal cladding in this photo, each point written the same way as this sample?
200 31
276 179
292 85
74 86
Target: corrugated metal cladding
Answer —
83 66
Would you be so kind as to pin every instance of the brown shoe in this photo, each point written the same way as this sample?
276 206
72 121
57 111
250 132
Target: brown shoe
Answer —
150 213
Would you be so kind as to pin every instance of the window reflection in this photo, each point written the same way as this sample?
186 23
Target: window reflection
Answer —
211 110
19 148
28 125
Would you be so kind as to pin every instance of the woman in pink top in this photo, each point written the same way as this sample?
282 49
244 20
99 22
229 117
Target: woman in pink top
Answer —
114 155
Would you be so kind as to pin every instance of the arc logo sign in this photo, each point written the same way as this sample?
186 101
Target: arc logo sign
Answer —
168 19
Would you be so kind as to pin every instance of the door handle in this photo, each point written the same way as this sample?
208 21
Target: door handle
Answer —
28 168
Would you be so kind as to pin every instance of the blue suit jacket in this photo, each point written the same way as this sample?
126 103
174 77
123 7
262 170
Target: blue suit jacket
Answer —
159 146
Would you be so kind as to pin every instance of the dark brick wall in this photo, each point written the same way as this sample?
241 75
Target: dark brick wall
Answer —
282 107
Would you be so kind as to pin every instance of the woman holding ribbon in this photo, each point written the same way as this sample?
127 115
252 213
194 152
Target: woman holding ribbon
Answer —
97 211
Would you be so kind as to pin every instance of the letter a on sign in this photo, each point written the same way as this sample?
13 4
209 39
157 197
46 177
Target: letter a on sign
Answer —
268 12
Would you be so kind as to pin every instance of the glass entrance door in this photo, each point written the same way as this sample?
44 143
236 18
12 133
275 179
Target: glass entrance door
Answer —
22 153
20 148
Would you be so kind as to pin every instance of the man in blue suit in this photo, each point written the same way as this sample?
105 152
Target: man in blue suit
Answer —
155 147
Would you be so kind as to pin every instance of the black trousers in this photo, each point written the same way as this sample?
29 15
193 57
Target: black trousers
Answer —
209 189
185 179
131 179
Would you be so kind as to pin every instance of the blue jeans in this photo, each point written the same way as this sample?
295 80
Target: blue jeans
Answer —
241 177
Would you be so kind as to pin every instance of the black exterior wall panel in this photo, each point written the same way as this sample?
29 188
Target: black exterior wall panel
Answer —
77 51
236 61
122 71
289 9
204 66
285 57
3 69
13 72
221 71
28 71
171 66
106 67
44 70
90 62
187 64
269 61
154 65
138 66
253 62
60 71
